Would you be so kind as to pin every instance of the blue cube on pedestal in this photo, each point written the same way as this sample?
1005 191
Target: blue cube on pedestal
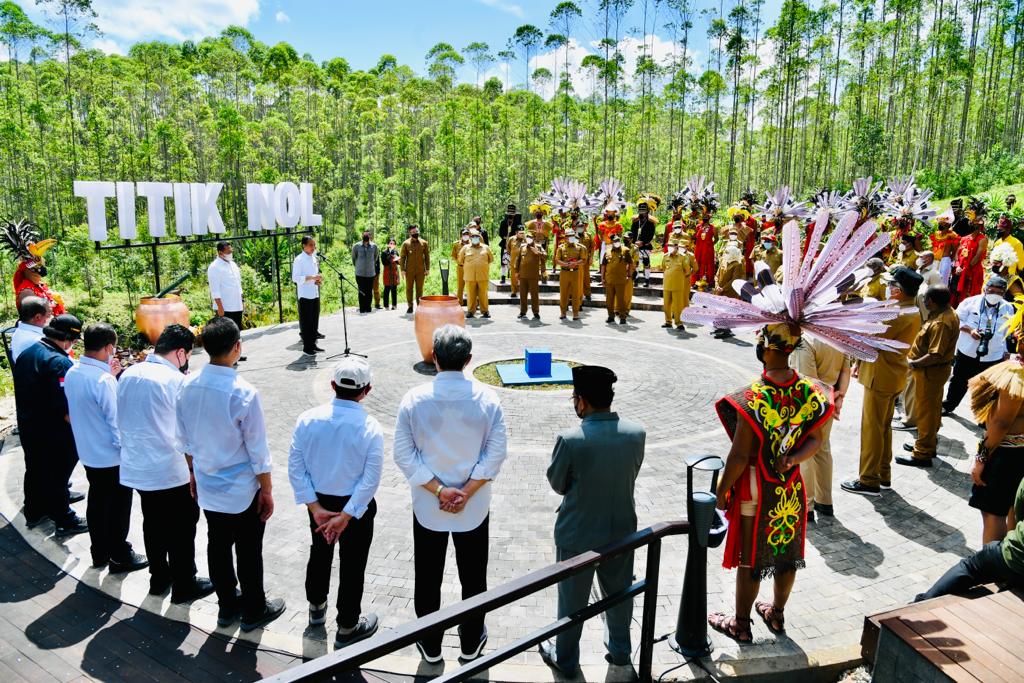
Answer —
538 362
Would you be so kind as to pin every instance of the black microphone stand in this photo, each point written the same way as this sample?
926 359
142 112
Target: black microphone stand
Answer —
344 317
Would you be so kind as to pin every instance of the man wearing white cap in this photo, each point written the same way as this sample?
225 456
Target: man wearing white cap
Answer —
335 464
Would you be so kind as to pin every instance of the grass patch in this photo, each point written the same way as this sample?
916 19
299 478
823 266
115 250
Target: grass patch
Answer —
488 374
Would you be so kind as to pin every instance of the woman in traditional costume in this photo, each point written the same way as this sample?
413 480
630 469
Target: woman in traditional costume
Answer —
1004 261
22 240
774 422
969 269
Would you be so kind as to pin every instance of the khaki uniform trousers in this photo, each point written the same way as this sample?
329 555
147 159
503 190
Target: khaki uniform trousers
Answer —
615 299
909 398
584 273
876 437
414 280
476 292
628 296
569 288
675 301
529 287
460 275
928 383
817 472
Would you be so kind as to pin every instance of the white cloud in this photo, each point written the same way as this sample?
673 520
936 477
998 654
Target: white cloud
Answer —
281 17
132 20
108 46
509 7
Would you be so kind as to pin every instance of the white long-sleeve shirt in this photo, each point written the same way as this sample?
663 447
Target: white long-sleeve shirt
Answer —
452 429
221 422
976 313
24 335
92 406
152 456
225 284
337 450
303 266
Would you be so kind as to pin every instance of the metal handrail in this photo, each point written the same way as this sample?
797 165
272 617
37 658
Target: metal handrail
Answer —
354 656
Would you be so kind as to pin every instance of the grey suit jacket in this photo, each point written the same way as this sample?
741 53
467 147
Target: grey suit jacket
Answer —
594 467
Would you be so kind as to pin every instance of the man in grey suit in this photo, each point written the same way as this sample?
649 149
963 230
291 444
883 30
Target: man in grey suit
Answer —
594 467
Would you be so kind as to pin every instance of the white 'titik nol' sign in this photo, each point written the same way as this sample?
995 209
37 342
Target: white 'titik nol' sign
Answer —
195 207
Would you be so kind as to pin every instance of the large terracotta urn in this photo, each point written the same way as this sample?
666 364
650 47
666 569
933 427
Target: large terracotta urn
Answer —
152 315
434 312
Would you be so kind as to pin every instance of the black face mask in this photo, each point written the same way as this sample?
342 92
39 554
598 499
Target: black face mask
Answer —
366 240
42 271
759 352
415 236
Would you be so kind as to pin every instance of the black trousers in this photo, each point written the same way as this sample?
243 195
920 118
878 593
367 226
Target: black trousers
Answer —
309 323
236 316
985 566
471 549
169 519
48 467
353 549
964 368
392 292
364 290
109 513
243 533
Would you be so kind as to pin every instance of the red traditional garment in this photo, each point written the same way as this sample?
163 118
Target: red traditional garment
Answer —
605 233
669 227
781 417
749 243
390 272
807 239
704 252
41 290
971 278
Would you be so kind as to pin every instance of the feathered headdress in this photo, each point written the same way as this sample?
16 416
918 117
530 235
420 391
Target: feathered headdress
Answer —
21 239
807 299
567 195
828 200
865 198
747 198
611 195
540 205
698 195
1004 253
976 208
782 206
651 201
906 201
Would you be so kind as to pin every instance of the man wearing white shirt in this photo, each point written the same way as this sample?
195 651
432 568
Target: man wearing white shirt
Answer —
221 422
226 284
336 459
982 317
307 278
32 318
91 390
450 442
153 463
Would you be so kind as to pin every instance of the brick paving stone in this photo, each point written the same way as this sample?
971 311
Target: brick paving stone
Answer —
875 554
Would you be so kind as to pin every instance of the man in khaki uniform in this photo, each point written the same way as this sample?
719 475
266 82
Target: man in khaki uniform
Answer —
540 229
875 287
530 266
820 361
414 262
616 268
514 245
456 248
569 258
768 252
678 267
585 241
475 259
883 380
930 361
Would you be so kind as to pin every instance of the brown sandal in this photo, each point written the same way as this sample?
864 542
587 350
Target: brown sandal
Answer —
773 617
731 626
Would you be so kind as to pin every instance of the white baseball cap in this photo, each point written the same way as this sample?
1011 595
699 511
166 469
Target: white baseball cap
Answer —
352 372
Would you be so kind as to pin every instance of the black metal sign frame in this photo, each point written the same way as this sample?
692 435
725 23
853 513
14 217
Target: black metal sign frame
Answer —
213 239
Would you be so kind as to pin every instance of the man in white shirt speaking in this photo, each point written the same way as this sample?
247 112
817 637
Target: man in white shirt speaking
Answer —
226 284
33 316
91 390
153 463
336 459
450 442
307 278
221 422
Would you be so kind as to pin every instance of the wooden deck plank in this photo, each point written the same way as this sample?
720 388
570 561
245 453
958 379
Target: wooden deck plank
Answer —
980 618
955 644
937 657
1001 660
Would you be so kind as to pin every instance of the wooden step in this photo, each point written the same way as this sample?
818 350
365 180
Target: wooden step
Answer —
551 287
597 300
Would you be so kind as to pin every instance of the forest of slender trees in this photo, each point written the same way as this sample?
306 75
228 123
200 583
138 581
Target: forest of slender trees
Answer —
824 92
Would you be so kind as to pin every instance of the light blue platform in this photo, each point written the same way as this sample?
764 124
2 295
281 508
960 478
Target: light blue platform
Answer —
515 375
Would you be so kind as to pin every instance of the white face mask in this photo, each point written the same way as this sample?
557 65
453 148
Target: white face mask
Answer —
766 245
919 262
903 247
529 240
677 230
993 299
572 240
465 238
673 250
475 240
228 257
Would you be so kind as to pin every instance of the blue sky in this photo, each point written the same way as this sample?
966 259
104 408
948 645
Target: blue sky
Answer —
362 31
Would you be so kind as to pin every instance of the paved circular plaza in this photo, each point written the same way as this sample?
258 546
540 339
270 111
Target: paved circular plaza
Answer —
875 554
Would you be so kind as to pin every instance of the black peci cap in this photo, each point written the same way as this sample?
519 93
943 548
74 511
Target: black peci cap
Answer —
65 327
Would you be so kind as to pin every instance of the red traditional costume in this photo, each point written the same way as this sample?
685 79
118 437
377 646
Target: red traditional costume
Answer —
971 278
704 252
22 240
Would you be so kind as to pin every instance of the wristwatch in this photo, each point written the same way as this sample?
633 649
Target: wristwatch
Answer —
437 492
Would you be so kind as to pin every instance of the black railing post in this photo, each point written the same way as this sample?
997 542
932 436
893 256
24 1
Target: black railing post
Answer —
650 609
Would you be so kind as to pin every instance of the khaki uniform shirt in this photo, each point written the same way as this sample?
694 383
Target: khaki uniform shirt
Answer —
773 258
888 373
727 274
530 261
475 260
677 269
938 336
816 359
456 248
569 252
414 258
513 246
616 266
875 288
